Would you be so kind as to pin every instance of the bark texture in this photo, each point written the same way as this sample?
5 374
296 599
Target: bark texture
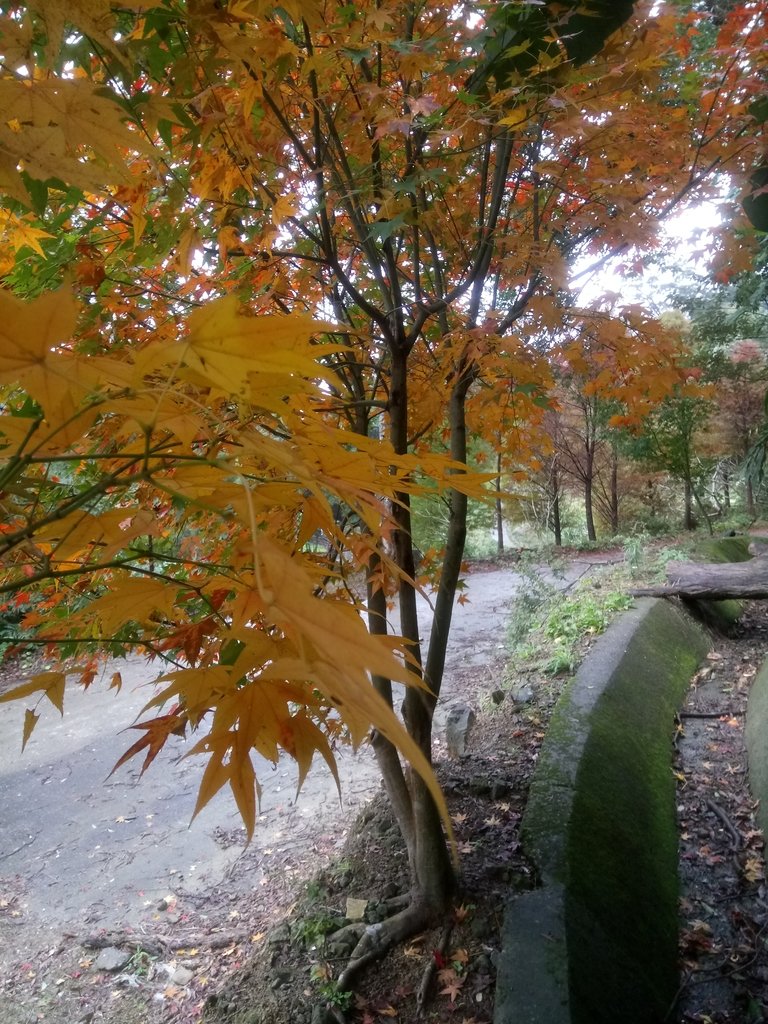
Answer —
717 581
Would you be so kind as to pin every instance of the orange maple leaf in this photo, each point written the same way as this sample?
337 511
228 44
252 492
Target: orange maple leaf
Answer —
453 988
156 733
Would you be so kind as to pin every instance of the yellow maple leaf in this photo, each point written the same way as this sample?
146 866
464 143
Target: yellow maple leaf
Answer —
230 349
51 684
29 335
94 18
284 207
135 600
16 39
67 130
21 234
31 718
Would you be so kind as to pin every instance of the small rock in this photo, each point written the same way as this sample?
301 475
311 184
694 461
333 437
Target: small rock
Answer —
498 696
480 927
482 964
457 730
356 908
479 785
182 976
112 959
163 905
280 935
340 949
281 977
521 692
376 912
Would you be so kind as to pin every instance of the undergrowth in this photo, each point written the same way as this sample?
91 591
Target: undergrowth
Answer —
553 624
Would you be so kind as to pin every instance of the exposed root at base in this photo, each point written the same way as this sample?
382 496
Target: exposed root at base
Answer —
378 939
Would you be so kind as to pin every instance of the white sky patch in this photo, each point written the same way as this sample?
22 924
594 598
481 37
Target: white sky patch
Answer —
683 255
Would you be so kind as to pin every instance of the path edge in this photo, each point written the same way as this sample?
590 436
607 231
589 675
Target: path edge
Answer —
597 942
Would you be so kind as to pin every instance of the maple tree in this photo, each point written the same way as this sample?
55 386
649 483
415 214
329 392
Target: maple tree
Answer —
257 260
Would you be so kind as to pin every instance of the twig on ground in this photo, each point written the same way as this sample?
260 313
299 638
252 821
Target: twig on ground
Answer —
23 846
708 714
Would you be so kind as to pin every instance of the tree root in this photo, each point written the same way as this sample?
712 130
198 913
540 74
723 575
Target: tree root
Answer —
161 945
378 939
730 828
356 929
425 988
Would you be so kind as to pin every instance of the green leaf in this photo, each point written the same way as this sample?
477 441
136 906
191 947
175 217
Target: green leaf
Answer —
38 193
381 230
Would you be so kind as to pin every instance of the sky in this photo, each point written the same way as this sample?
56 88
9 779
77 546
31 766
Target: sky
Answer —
685 238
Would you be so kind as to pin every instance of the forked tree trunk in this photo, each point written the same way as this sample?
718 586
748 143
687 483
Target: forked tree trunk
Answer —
431 870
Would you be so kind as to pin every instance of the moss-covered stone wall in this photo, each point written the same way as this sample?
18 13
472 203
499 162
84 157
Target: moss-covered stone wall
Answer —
756 736
601 827
621 900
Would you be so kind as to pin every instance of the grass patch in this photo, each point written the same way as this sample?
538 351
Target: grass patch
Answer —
552 625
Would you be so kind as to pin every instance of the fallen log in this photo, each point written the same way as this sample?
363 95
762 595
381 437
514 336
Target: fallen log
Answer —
714 581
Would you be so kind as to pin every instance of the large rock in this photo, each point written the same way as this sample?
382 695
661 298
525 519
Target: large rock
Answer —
458 727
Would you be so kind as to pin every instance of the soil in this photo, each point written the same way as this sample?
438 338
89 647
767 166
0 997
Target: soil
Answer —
267 952
724 913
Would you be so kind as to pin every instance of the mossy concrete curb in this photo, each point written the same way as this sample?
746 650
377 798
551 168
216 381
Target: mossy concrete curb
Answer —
597 943
756 737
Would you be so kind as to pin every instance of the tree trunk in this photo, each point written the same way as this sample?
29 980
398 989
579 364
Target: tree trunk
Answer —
556 524
432 875
716 581
688 520
588 509
557 528
614 493
499 508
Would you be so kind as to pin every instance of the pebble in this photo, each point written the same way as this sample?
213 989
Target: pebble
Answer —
182 976
279 935
112 959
